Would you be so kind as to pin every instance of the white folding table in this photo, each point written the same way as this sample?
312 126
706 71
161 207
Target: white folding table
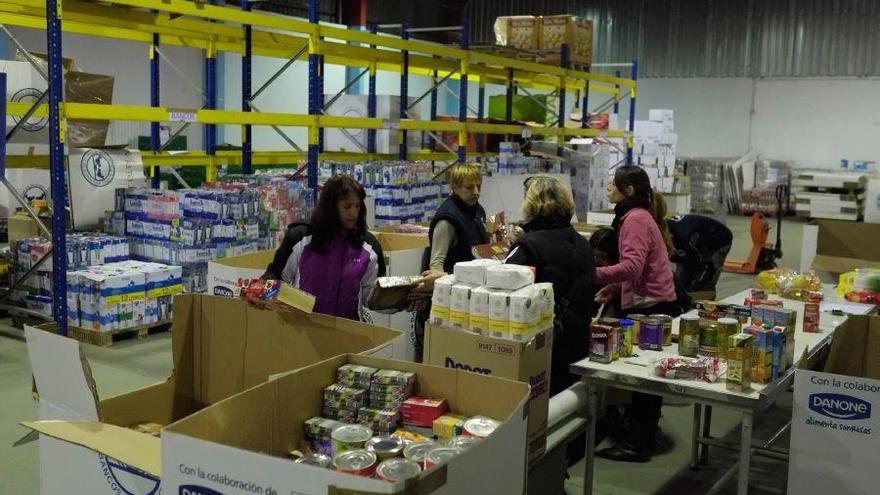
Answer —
633 375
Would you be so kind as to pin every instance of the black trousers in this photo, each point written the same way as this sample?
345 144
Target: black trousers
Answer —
644 412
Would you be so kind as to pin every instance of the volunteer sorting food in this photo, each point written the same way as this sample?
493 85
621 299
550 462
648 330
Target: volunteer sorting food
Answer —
641 281
333 258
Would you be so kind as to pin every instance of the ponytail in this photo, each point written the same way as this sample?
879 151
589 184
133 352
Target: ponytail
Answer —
658 211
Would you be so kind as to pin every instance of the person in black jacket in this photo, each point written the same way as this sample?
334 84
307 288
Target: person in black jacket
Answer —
563 257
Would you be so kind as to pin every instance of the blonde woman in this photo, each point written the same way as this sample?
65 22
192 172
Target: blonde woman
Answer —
564 258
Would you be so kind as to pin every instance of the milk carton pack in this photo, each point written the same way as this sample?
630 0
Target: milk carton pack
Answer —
73 299
499 313
460 305
509 277
525 312
473 272
479 319
547 305
441 299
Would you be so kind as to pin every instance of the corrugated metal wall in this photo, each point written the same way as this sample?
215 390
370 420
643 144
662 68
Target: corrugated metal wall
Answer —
716 38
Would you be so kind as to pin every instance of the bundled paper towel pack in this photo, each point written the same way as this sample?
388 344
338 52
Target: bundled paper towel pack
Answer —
489 298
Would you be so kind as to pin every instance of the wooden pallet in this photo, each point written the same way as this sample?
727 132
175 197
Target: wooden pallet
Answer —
546 57
106 339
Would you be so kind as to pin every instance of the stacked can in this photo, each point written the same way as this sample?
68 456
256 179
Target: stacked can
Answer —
342 403
318 433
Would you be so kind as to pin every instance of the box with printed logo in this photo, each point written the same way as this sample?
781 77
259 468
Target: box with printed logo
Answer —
835 427
527 362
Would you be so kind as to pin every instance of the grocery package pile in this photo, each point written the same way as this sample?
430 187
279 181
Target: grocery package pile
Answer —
123 295
707 183
283 199
83 249
744 344
373 426
511 161
405 192
861 285
189 228
791 284
487 297
654 150
838 195
762 198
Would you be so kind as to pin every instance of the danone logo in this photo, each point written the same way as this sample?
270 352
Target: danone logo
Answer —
222 291
450 363
197 490
840 406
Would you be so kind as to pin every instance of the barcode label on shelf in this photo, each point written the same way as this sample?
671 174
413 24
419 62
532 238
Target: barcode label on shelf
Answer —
182 116
526 132
391 125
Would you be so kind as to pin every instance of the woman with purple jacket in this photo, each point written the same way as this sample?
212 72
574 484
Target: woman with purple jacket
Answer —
335 261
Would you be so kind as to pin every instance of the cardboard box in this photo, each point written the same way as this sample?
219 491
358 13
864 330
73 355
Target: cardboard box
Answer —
843 246
872 201
527 362
220 347
204 455
835 427
576 32
518 31
223 273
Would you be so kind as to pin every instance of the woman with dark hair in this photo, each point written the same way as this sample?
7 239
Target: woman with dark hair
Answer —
640 281
335 260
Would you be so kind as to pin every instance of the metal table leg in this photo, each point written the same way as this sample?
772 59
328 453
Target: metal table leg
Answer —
590 434
695 435
707 432
745 454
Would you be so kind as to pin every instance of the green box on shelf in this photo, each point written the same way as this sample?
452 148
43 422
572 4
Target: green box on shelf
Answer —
524 108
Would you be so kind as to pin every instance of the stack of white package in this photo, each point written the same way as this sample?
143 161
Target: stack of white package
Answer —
489 298
654 148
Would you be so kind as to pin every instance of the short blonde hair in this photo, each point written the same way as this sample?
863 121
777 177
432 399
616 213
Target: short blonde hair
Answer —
466 171
547 196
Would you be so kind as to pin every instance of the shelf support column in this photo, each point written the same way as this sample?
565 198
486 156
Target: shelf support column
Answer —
508 100
634 75
433 110
481 103
57 129
155 101
371 98
315 100
404 90
210 136
463 93
564 63
246 91
585 106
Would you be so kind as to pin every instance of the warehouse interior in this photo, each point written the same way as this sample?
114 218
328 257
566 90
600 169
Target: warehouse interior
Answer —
756 115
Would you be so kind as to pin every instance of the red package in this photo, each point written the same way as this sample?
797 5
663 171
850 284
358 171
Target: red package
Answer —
421 411
811 317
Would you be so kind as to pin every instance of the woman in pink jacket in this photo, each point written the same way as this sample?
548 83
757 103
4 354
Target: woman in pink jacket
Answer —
640 282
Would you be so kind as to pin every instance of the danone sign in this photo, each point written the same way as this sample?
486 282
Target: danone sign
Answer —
839 406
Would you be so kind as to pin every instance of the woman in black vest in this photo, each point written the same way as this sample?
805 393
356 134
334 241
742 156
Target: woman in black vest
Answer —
564 258
460 222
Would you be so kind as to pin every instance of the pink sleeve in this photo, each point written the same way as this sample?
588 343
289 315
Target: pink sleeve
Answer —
633 245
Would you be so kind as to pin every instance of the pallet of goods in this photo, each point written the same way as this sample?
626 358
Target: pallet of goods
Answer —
832 195
544 36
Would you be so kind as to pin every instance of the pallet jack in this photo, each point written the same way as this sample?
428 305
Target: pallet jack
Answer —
763 256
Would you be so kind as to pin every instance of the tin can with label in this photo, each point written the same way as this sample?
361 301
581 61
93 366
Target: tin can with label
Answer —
358 462
439 455
626 338
726 328
600 343
708 338
319 460
418 451
350 437
637 325
651 335
666 320
614 337
479 426
395 470
689 335
385 446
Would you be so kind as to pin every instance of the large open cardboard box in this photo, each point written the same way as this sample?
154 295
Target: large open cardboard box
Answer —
835 428
527 362
841 246
241 443
220 347
223 273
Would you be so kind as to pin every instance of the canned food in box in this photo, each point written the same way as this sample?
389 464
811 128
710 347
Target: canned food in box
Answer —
385 446
358 462
462 441
319 460
479 426
418 451
439 455
394 470
350 437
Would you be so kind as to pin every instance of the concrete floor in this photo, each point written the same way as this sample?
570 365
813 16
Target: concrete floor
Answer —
132 364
